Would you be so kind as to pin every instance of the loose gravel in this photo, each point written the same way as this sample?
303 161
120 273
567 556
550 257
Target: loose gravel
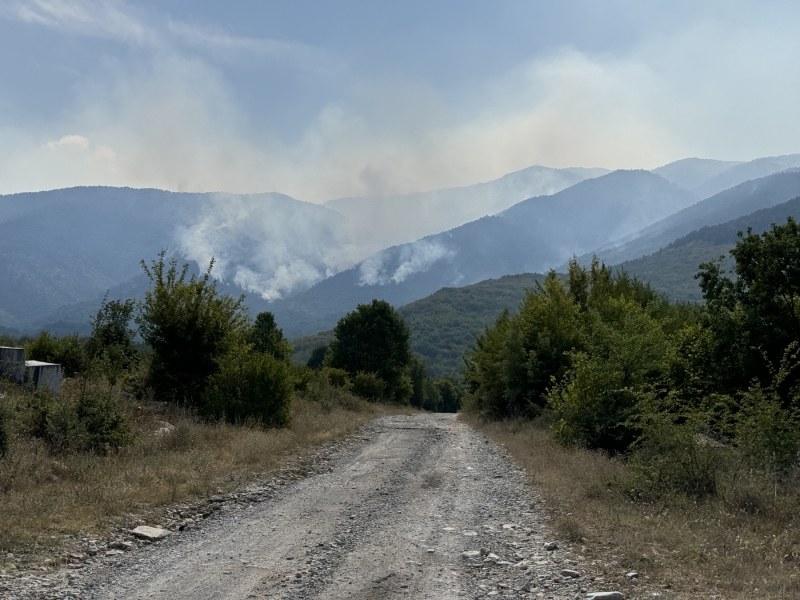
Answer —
419 506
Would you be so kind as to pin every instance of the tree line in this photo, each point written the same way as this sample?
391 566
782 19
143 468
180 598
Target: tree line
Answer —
615 366
188 344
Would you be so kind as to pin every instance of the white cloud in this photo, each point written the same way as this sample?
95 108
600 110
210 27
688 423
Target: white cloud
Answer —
219 43
73 141
109 18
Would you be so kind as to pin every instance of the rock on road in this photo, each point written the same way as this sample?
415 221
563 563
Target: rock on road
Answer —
419 506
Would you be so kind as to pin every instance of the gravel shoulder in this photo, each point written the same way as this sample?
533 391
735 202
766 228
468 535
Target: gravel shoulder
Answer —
417 506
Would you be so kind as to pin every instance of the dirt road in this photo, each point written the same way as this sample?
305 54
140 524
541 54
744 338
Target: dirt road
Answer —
416 507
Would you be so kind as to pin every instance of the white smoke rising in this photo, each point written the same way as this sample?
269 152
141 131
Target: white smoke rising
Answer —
411 259
267 243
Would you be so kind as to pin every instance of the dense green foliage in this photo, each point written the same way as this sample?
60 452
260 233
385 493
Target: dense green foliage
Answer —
266 337
678 387
189 326
250 387
89 421
68 351
756 316
372 344
111 344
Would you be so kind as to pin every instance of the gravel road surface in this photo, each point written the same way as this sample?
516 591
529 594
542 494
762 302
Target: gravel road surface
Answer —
416 506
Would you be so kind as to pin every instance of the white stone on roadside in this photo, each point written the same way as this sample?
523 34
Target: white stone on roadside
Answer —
570 573
152 534
164 429
471 553
604 596
631 575
551 546
469 533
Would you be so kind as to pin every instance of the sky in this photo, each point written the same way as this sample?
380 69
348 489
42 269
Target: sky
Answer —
320 99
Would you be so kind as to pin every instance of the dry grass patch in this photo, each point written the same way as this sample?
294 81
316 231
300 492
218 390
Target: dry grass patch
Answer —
716 548
46 499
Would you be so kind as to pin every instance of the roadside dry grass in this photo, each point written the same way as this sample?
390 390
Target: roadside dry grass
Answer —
682 548
47 499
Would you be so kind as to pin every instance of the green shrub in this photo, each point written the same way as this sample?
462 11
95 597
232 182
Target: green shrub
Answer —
92 422
338 378
63 431
105 423
593 407
111 344
674 455
189 326
767 434
369 386
250 387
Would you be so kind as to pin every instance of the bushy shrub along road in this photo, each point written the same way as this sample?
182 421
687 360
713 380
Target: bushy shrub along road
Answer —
416 506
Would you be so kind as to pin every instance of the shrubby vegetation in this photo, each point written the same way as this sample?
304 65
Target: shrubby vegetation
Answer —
692 395
189 326
199 352
371 345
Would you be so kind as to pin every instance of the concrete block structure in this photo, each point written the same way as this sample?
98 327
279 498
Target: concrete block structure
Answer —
12 363
35 373
43 375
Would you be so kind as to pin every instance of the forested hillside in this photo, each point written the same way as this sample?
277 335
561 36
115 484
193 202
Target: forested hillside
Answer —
444 324
672 269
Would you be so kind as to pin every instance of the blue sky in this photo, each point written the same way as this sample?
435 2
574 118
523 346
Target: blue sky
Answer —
321 99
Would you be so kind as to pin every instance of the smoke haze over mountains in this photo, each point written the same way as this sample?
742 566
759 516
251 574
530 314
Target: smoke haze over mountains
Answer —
358 99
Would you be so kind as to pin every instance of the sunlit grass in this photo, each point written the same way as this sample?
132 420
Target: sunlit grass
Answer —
685 548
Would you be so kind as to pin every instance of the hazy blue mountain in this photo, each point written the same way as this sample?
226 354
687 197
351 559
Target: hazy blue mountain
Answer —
754 169
672 269
444 324
66 247
310 264
394 220
738 201
532 236
691 173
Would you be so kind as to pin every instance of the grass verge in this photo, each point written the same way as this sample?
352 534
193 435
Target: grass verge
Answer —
47 500
680 547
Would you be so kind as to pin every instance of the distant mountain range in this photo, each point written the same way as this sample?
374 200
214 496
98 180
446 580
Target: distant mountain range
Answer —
394 220
732 203
532 236
310 264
